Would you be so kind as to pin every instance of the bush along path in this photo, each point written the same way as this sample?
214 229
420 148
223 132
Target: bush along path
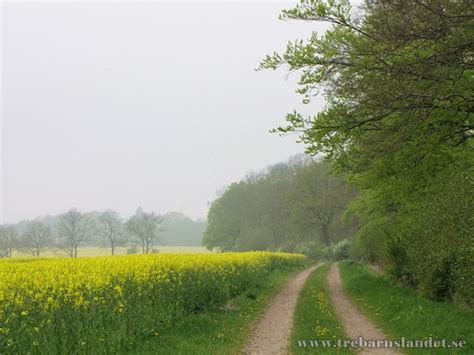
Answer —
271 334
355 323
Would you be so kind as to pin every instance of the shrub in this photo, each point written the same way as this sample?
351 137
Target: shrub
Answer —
399 262
463 293
313 250
340 250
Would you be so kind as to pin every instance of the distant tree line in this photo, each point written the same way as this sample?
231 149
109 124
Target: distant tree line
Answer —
74 229
283 207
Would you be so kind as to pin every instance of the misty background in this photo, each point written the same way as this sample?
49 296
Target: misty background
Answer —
120 105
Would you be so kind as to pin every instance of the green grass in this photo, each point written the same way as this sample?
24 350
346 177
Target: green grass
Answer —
314 317
401 312
223 330
99 251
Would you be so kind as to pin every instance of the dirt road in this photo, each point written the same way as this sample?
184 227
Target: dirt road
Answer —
271 336
355 323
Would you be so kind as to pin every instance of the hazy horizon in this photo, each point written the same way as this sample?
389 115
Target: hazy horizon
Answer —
153 104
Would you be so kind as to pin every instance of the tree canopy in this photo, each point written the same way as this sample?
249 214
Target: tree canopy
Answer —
397 77
279 208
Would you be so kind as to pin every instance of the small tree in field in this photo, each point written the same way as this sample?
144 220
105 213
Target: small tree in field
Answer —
145 227
8 240
36 238
73 229
111 228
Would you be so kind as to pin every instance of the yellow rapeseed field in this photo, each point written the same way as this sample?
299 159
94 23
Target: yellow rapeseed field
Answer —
106 304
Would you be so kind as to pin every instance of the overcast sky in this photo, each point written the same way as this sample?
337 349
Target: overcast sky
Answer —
120 105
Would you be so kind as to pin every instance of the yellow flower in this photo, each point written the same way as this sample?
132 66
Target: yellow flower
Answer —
118 290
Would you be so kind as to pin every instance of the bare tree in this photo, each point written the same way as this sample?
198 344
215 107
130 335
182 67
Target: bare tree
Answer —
73 229
111 228
145 227
8 240
36 238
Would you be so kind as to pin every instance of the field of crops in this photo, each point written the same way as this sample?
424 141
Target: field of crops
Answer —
108 304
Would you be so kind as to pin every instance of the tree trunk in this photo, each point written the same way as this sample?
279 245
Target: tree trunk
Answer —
325 234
